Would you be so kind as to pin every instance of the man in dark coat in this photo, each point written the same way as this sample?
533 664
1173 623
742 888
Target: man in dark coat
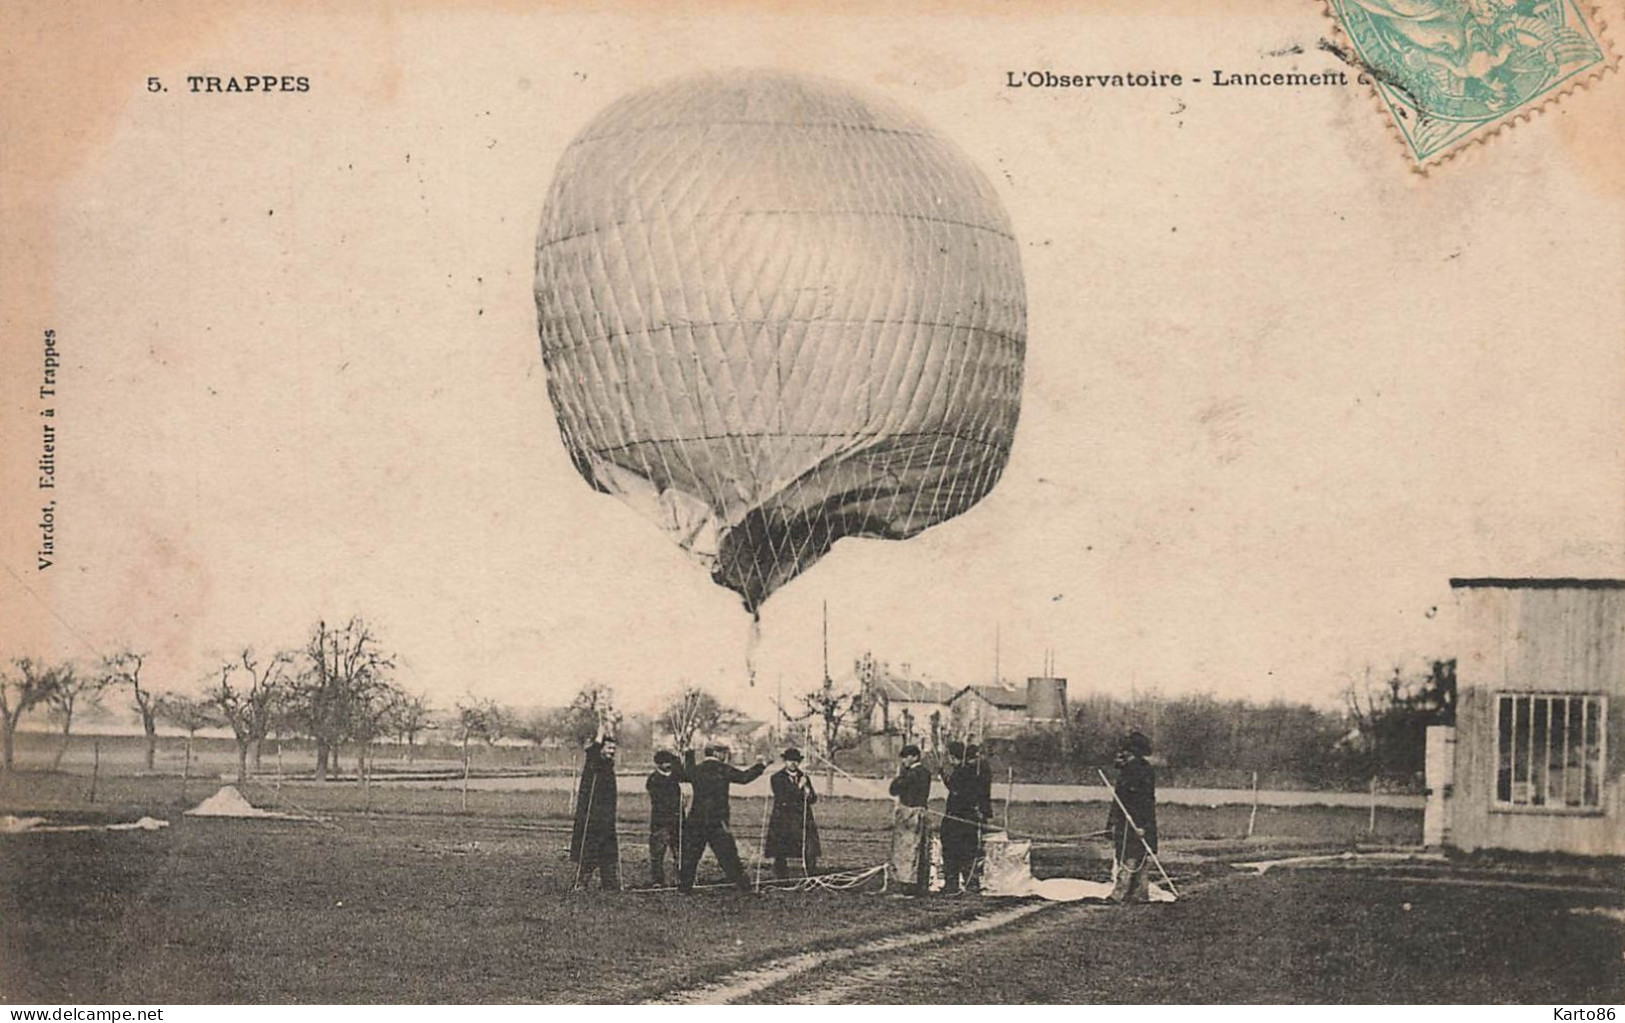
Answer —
984 778
592 839
984 806
707 821
961 830
665 815
792 833
911 827
1132 822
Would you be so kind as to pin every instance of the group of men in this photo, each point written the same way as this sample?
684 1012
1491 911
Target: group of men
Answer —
970 807
792 830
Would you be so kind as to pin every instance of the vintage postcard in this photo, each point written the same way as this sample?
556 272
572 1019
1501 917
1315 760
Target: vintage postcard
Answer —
926 503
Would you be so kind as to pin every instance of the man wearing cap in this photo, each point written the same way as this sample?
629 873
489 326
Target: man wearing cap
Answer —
961 830
665 815
593 845
792 833
707 820
1132 822
911 827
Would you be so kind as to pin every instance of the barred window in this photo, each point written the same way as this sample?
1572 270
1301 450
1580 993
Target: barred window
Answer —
1550 750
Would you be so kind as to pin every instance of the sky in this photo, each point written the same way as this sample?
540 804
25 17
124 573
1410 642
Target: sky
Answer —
1279 388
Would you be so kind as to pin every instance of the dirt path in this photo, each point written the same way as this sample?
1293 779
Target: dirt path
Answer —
749 984
869 981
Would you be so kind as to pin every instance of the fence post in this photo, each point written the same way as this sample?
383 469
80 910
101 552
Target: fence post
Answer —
465 775
1009 794
1252 818
1371 825
95 768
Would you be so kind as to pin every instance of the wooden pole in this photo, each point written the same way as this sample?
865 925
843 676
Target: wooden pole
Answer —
1009 794
95 767
1252 818
1371 826
186 768
1128 818
465 774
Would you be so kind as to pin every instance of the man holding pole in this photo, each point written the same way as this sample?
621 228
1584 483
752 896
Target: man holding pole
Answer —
1132 822
593 845
792 831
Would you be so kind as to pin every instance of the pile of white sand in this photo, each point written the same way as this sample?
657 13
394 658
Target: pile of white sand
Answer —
228 802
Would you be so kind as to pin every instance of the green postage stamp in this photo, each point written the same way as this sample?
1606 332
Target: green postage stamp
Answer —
1452 71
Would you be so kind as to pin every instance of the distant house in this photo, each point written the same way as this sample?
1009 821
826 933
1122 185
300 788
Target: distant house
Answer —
901 709
989 712
1534 760
1003 712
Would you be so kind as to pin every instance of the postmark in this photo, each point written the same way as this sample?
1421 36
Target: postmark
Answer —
1454 72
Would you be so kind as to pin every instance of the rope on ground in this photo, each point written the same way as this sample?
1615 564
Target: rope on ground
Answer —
837 881
840 880
281 800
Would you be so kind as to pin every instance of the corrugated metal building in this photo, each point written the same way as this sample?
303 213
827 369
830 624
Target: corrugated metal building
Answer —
1537 762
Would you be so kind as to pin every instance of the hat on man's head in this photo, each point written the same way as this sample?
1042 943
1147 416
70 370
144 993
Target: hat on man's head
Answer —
972 751
716 750
791 754
956 749
910 750
666 756
1137 743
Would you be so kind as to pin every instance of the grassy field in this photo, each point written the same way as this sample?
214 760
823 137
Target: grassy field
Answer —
419 901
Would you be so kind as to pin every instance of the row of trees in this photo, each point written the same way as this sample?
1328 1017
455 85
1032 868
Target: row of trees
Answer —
336 689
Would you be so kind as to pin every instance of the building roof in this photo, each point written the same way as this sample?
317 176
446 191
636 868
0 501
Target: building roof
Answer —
1538 584
1002 697
910 690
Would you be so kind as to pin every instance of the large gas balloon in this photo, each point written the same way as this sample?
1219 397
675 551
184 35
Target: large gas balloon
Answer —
775 313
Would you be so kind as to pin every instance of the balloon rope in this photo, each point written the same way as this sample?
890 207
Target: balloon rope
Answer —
586 822
753 641
761 847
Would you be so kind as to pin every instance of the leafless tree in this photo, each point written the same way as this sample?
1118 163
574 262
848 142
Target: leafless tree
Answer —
193 714
694 712
73 690
124 669
591 712
27 683
482 719
839 713
342 677
247 694
412 717
369 716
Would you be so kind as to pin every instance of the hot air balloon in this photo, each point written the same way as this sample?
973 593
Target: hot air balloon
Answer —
775 313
